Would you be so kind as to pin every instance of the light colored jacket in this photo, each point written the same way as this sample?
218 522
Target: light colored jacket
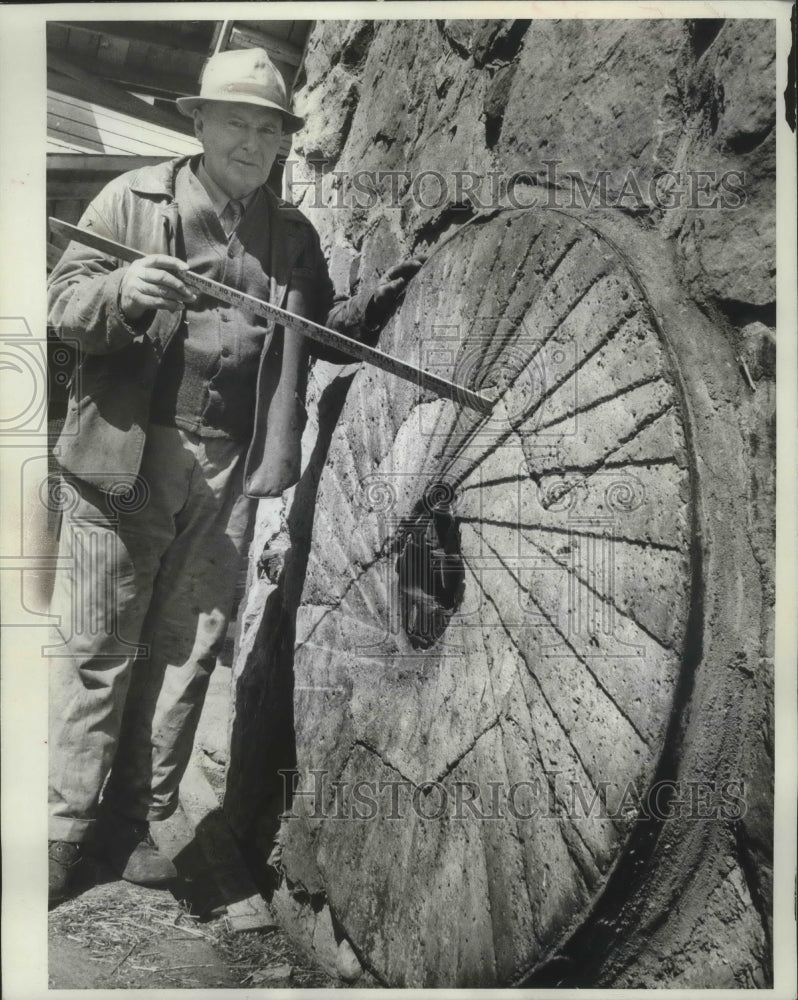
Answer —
106 424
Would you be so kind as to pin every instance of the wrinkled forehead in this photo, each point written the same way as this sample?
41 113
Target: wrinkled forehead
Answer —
250 113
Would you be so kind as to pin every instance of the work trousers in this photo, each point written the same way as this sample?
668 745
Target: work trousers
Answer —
143 593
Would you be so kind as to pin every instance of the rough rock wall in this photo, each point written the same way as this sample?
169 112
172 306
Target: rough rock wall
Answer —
633 99
612 96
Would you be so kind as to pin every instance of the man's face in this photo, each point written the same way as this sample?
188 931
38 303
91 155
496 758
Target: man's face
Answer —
240 143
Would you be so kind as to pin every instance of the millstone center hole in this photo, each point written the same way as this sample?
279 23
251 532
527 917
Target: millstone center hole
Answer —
430 567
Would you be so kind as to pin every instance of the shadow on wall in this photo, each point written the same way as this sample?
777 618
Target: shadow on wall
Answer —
263 738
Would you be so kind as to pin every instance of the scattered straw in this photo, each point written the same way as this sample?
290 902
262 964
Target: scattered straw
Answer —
114 919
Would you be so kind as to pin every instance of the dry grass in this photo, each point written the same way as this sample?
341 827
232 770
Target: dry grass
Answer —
143 938
116 923
252 953
109 918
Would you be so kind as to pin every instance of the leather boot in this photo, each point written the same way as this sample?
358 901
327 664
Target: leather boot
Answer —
128 846
64 859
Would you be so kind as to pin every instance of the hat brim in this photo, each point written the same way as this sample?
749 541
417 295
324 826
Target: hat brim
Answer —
291 123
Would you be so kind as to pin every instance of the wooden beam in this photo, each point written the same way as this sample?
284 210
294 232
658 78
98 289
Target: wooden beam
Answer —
275 28
278 49
66 78
123 76
99 164
162 33
65 170
221 36
148 81
69 185
301 66
113 50
94 128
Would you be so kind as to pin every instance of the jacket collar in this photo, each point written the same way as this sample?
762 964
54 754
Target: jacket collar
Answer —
158 181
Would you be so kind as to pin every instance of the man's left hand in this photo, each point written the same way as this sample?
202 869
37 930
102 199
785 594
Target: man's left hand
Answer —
391 288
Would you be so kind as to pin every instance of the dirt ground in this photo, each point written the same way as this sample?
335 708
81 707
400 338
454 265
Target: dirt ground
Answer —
114 935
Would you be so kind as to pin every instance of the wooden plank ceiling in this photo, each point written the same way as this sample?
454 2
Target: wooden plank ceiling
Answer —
75 125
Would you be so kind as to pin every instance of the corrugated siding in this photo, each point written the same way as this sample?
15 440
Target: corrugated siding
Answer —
77 126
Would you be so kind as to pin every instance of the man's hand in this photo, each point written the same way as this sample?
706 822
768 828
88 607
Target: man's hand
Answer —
150 283
390 289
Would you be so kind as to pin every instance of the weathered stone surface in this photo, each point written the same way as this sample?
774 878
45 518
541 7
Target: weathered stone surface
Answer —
333 42
590 94
728 221
324 144
729 254
744 64
552 325
625 98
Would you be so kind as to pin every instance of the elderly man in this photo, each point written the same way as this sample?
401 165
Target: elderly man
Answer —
181 411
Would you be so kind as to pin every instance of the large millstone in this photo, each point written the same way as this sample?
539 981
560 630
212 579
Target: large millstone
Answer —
494 612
